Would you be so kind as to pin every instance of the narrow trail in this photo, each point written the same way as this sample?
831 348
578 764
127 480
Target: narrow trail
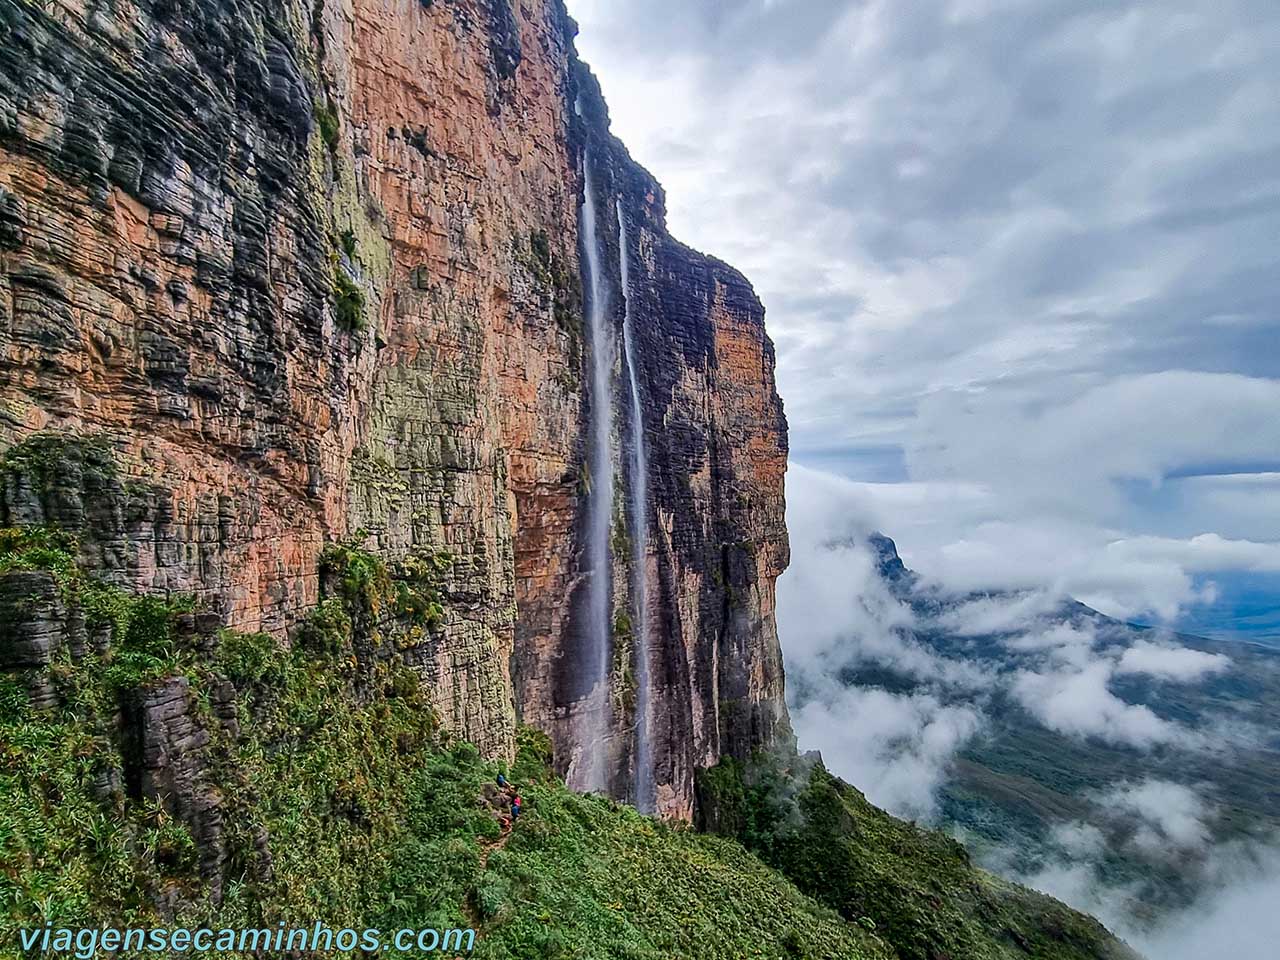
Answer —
487 848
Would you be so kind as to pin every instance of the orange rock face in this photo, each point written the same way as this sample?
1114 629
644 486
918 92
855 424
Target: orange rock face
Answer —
315 272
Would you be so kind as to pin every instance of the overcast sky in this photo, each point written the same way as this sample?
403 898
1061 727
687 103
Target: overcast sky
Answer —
1019 260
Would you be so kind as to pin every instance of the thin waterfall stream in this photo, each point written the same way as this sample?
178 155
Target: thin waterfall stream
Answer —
592 741
638 486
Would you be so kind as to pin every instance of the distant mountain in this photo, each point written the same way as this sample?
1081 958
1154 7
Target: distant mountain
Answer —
1117 750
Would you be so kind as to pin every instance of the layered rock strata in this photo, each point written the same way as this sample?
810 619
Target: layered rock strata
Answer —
313 272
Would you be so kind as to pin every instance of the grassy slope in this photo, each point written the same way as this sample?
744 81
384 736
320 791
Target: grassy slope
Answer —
373 817
583 877
916 887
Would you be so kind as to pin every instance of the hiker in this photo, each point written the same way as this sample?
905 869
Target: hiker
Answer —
502 782
515 809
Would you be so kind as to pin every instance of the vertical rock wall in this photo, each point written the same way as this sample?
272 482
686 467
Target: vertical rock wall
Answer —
312 271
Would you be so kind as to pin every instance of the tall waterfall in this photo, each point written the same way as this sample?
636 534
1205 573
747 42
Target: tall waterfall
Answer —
638 486
594 722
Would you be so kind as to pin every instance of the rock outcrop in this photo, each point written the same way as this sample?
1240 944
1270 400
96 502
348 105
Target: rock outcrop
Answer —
312 272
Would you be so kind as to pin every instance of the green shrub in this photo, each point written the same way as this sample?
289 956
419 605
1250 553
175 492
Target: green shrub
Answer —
540 248
49 457
144 650
251 659
360 577
327 124
348 241
914 888
39 548
326 630
349 303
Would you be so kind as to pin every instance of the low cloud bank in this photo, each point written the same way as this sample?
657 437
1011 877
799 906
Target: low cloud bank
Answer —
1080 703
1235 917
1238 920
838 613
1170 817
896 747
919 704
963 533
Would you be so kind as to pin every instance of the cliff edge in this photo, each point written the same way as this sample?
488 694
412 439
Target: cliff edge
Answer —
315 273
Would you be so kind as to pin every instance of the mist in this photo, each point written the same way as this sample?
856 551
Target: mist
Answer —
838 615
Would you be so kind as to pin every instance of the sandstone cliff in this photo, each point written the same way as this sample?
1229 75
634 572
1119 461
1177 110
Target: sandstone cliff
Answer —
315 272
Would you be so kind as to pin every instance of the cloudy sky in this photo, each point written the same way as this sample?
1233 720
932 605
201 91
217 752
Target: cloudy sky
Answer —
1020 262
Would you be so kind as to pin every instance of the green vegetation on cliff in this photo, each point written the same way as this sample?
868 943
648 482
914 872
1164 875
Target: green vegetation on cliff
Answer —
916 887
337 798
157 769
349 303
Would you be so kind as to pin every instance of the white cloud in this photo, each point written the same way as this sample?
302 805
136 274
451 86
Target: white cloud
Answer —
1235 916
1238 919
1065 459
1169 814
1079 840
895 748
1204 553
835 612
1078 702
1064 643
1168 662
949 530
999 614
1075 882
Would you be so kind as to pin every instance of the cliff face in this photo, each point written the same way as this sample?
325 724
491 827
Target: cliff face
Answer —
316 273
